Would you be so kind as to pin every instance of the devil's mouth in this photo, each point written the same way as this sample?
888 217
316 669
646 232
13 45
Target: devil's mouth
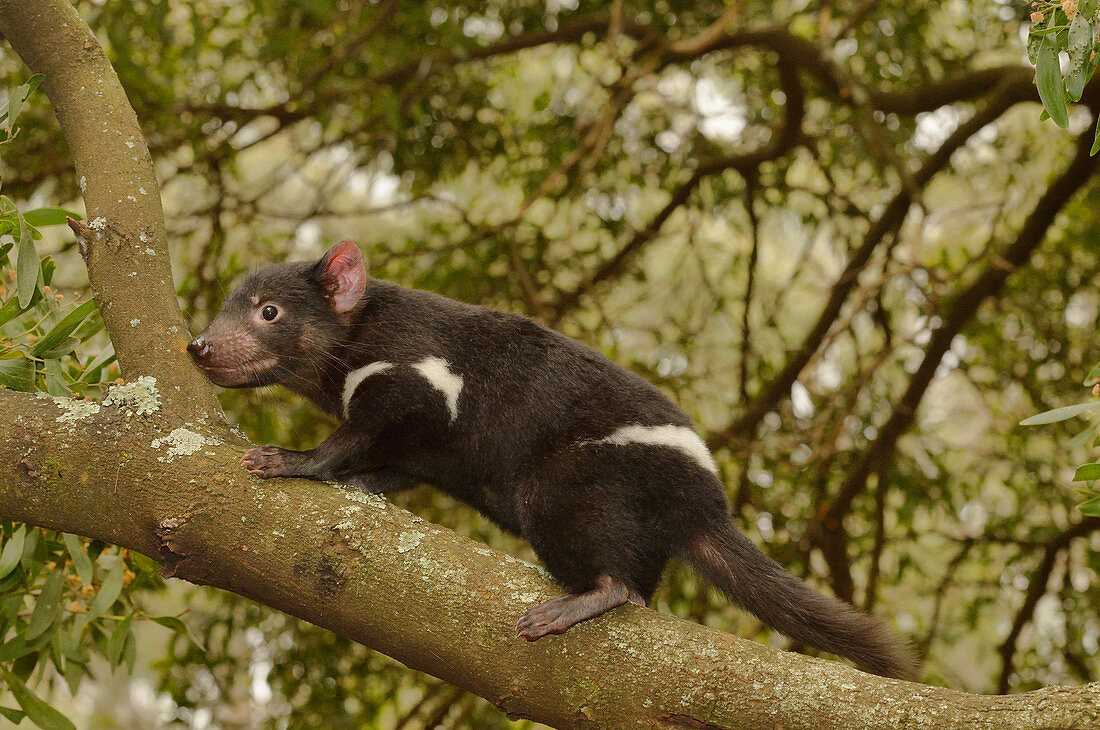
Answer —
241 373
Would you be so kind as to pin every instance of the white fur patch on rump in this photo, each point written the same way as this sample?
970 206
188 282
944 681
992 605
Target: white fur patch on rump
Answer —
437 371
676 437
357 376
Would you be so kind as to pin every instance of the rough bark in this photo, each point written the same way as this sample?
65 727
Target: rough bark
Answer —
166 481
434 600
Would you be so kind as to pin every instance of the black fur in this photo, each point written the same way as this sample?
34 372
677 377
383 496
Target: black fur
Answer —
604 518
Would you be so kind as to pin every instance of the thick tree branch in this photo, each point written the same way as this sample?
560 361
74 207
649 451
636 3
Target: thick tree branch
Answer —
436 601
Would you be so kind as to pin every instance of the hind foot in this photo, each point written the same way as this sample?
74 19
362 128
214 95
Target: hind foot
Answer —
558 614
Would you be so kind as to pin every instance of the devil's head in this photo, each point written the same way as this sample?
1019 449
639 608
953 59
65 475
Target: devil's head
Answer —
276 326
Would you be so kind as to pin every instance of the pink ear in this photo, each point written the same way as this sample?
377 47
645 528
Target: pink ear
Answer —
344 275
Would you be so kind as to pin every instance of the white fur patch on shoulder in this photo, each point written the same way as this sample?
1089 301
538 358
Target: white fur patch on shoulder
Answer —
437 371
357 376
676 437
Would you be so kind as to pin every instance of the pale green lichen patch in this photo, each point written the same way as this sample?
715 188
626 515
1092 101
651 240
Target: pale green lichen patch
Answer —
408 541
180 442
358 495
141 396
74 410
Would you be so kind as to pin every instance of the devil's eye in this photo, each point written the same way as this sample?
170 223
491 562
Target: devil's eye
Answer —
269 312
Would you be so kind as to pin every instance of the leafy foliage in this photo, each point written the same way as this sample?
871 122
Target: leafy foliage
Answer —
1086 472
1070 27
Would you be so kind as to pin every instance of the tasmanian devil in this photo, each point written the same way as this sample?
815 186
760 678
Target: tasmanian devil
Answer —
594 466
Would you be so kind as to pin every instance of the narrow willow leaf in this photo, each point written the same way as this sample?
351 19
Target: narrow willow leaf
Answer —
1048 78
18 96
56 384
117 642
40 713
108 592
1090 507
1095 141
1087 473
74 673
1079 49
17 374
13 550
26 267
175 624
102 359
1083 438
16 716
30 548
79 556
1060 414
129 653
63 329
48 606
20 647
9 311
49 216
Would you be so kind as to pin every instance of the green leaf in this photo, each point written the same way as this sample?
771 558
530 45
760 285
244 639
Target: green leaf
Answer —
26 268
48 606
1088 8
19 647
79 556
47 268
1048 77
49 216
1060 414
9 311
1087 473
17 374
1082 438
117 642
67 345
13 550
129 653
40 713
175 624
55 379
108 592
63 329
30 549
1095 141
1079 49
1090 507
18 96
106 357
1033 41
16 716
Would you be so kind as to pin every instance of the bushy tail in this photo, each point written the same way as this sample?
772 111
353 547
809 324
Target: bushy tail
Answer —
758 584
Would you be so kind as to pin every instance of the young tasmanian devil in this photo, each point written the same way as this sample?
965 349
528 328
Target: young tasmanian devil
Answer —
595 467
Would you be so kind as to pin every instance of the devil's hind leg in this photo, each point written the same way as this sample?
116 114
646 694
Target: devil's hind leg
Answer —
599 532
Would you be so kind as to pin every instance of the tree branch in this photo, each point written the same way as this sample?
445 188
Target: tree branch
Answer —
438 602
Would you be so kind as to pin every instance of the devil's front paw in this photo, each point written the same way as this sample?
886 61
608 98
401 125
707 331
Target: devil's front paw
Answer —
270 461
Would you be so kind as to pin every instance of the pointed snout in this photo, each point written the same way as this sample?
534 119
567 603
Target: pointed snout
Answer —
200 349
